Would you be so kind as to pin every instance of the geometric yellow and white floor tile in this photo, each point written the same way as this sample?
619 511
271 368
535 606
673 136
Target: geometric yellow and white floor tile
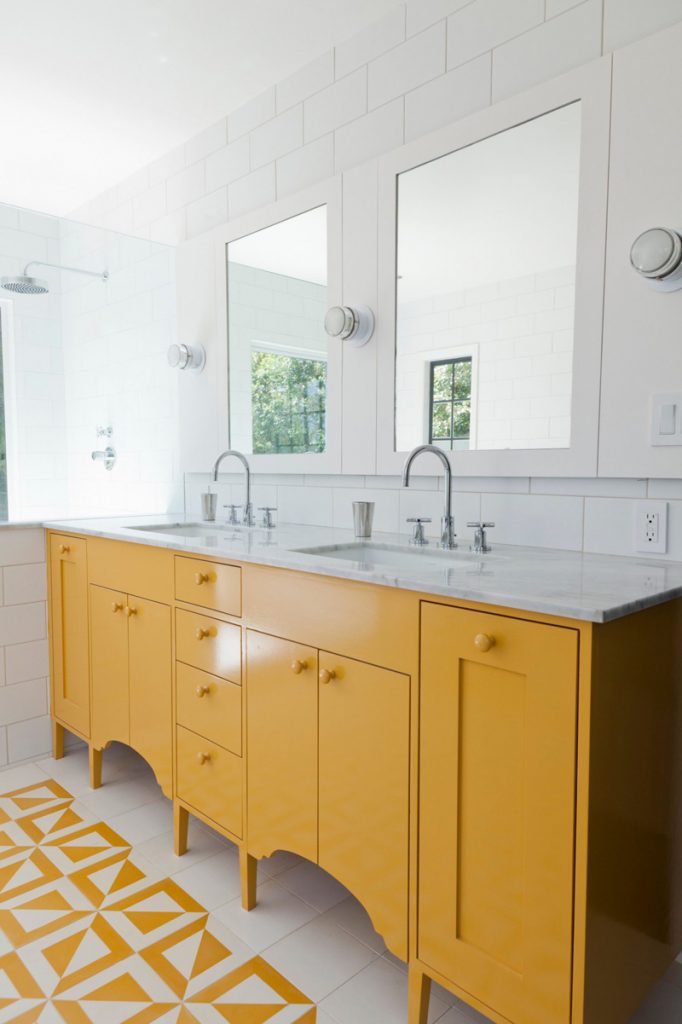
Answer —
87 938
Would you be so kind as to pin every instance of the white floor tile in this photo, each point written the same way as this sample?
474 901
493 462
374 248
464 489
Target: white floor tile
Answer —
277 914
663 1006
145 822
202 844
378 993
280 861
319 957
21 775
457 1016
213 881
315 886
120 795
352 917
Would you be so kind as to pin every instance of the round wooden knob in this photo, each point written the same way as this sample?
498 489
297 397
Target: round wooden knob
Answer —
116 606
64 549
298 666
202 633
484 642
203 757
202 691
201 577
327 674
130 611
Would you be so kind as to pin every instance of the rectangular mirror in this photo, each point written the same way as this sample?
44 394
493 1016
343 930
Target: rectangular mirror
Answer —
485 292
277 346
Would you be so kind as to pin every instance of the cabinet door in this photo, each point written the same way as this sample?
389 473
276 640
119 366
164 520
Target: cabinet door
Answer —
109 654
364 788
281 697
497 788
149 659
69 632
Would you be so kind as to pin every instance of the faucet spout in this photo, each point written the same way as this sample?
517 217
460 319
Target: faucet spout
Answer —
248 517
447 538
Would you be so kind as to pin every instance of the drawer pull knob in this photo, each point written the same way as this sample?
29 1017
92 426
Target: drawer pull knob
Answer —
202 633
201 577
298 666
203 757
64 549
326 675
484 642
116 606
202 691
130 611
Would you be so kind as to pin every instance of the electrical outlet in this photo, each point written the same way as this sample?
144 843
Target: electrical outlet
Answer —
651 535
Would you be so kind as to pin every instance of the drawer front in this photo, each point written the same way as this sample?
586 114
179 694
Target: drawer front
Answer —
210 706
131 568
209 644
209 585
210 780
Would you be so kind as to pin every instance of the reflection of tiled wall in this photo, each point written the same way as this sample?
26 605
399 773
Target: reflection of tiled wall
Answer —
272 309
520 334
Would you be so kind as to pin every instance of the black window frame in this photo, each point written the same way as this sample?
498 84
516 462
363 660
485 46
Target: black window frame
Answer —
452 401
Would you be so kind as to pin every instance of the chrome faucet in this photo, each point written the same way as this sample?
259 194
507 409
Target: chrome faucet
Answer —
247 515
447 523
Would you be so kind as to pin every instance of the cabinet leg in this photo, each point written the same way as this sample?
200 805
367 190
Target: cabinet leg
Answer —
418 995
248 869
57 740
95 768
180 826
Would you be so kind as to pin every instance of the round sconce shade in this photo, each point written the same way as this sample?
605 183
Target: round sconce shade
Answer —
656 254
186 357
350 324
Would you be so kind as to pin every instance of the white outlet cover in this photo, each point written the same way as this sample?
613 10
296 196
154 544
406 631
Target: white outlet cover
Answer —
651 527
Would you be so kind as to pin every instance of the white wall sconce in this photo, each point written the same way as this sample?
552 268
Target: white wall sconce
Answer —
355 325
187 357
656 255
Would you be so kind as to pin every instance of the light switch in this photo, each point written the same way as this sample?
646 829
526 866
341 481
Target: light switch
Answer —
666 420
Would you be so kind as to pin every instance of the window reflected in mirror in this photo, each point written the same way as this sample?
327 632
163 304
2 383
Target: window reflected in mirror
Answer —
276 302
486 260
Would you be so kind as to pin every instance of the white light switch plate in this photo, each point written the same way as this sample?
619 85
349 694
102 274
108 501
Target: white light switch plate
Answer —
666 419
651 527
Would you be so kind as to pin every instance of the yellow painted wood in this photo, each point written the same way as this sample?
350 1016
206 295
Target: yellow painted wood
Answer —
210 779
497 798
109 653
57 740
248 873
180 829
69 631
149 656
210 706
131 568
209 584
95 766
374 624
364 788
282 746
208 644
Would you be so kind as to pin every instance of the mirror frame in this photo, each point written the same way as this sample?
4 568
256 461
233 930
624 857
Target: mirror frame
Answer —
591 85
329 194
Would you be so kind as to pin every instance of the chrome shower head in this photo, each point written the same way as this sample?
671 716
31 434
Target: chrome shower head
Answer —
24 285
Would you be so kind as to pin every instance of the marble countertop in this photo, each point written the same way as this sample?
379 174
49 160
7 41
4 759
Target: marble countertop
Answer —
594 588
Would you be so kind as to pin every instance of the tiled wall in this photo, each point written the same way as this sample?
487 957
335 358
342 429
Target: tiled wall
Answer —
24 719
519 334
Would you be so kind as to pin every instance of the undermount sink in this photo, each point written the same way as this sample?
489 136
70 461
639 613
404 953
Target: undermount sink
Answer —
396 555
184 529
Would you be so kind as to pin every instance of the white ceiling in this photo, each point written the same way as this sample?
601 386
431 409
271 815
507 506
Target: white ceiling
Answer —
92 91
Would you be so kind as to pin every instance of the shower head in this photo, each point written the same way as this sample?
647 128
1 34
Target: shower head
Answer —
24 284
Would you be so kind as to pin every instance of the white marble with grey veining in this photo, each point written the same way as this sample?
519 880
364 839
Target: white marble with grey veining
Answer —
594 588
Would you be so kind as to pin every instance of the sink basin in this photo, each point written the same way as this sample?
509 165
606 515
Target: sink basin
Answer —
397 556
184 529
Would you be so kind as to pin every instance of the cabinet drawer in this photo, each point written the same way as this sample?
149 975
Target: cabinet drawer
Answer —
210 780
209 584
210 706
209 644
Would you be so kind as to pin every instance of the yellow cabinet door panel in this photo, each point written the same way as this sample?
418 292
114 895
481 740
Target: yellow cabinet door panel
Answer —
210 780
281 694
149 661
364 762
209 584
210 706
209 644
109 653
497 796
69 632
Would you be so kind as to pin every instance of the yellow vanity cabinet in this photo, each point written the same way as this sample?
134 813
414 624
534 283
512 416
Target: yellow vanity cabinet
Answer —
131 678
68 570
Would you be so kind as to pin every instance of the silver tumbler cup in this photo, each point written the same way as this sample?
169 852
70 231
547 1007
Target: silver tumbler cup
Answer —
363 515
209 503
